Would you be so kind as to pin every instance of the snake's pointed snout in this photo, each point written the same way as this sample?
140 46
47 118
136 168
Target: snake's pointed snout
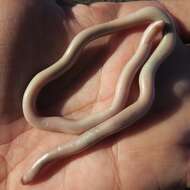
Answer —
28 177
26 180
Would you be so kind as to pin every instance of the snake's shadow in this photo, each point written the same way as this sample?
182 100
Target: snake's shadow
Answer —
172 73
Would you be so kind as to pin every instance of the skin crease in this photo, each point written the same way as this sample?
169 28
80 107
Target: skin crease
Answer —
156 149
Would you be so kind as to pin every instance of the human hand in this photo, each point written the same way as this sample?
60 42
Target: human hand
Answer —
156 148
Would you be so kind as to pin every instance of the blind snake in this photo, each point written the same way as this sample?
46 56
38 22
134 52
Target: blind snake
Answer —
100 125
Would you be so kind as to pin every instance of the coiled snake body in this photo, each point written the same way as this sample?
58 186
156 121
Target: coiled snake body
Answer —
100 125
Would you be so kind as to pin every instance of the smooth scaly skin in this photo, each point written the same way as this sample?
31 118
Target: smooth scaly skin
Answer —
116 118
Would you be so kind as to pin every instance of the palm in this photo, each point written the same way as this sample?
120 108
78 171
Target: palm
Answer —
118 162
